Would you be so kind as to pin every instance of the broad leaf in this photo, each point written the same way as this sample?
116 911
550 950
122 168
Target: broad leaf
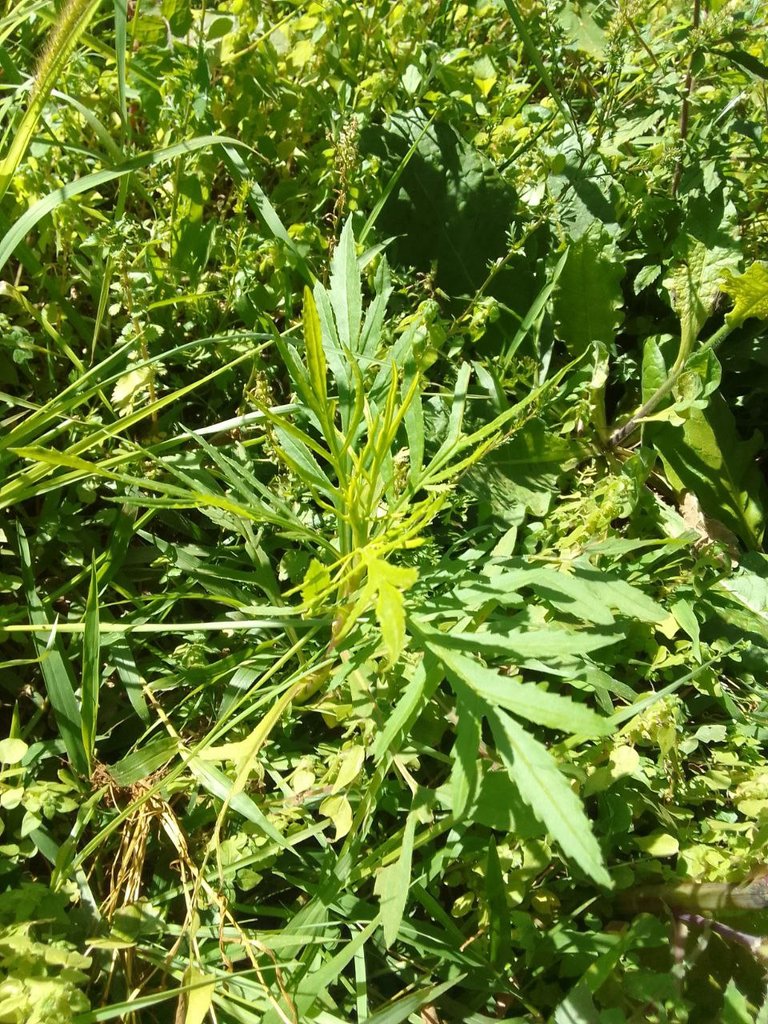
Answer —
450 208
522 471
749 292
588 297
707 457
707 248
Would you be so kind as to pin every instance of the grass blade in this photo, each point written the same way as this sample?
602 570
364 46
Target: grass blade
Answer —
44 206
56 669
91 677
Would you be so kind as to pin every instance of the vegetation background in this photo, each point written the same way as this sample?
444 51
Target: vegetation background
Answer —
383 600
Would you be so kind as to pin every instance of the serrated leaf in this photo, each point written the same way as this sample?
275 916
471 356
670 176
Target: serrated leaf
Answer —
524 699
588 297
522 645
749 292
584 592
549 795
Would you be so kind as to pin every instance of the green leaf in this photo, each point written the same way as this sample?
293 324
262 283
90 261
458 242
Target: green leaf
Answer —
345 291
750 588
497 805
746 60
523 645
56 668
72 21
544 788
403 1009
582 31
499 932
314 346
220 786
44 206
523 470
450 209
393 882
583 592
91 678
588 297
749 292
706 250
525 699
141 763
464 770
707 457
655 370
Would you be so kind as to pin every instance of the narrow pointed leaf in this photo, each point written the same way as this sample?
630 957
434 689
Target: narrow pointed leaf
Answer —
524 699
91 668
549 795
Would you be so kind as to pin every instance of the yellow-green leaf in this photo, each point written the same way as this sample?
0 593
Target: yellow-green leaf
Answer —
316 582
749 292
200 996
339 810
351 763
658 844
313 339
12 750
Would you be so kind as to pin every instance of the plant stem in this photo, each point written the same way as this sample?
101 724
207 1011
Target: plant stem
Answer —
685 107
699 896
635 420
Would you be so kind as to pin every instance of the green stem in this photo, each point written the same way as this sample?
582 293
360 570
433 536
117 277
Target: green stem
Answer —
71 24
699 896
635 420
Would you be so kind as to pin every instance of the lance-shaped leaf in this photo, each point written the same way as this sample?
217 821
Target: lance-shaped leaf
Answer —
548 793
524 699
91 677
313 340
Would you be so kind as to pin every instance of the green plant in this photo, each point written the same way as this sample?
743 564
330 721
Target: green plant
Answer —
382 587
